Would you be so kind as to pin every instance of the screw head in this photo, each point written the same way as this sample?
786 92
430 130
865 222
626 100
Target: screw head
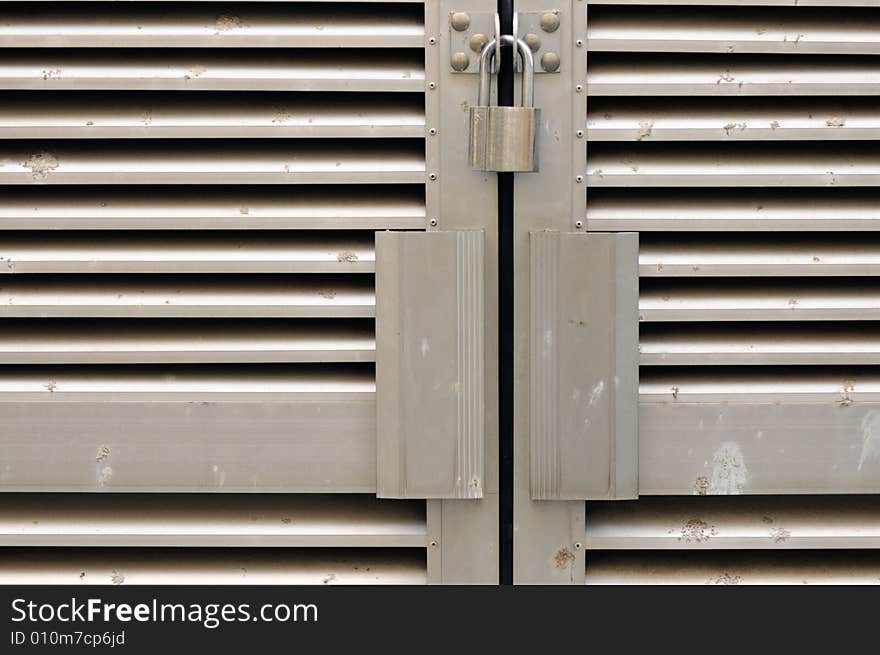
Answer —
459 61
533 41
579 225
432 41
550 62
579 88
432 131
580 134
432 176
579 43
433 222
433 544
550 22
577 546
579 179
478 42
432 85
460 21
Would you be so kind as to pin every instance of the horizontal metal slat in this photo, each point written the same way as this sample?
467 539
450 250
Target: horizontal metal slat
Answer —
716 210
780 299
734 164
738 3
252 520
310 428
286 252
732 568
197 70
174 296
835 387
129 25
179 114
224 208
753 255
716 522
725 120
802 343
152 341
213 162
192 566
612 74
690 29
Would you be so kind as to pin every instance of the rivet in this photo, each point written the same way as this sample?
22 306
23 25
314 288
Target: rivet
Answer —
432 41
431 85
432 131
577 546
578 88
433 222
478 42
460 21
550 22
459 61
533 41
433 544
580 134
579 225
579 43
550 62
432 176
579 179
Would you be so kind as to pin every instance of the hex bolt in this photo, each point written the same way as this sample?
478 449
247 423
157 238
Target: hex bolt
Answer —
550 62
459 61
460 21
533 41
478 42
550 22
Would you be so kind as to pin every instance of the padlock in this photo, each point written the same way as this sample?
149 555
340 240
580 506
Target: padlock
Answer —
502 139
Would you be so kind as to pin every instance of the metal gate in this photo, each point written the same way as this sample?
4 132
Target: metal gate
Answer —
251 324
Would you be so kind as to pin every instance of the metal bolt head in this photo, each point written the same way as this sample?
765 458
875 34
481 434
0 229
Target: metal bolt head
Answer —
579 179
433 222
533 41
478 42
579 224
432 131
580 134
550 62
459 61
550 22
579 88
460 21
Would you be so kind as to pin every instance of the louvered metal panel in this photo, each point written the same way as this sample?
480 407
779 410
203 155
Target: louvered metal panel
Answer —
188 194
758 332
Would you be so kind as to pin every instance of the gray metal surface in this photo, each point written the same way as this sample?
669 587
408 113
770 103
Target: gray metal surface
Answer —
430 363
584 371
194 566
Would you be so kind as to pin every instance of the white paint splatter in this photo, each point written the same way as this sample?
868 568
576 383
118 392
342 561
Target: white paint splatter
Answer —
596 392
870 438
729 473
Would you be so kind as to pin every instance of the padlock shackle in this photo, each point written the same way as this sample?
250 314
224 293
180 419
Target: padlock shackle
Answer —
528 64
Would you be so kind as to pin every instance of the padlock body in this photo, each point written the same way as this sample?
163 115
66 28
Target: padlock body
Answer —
502 139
